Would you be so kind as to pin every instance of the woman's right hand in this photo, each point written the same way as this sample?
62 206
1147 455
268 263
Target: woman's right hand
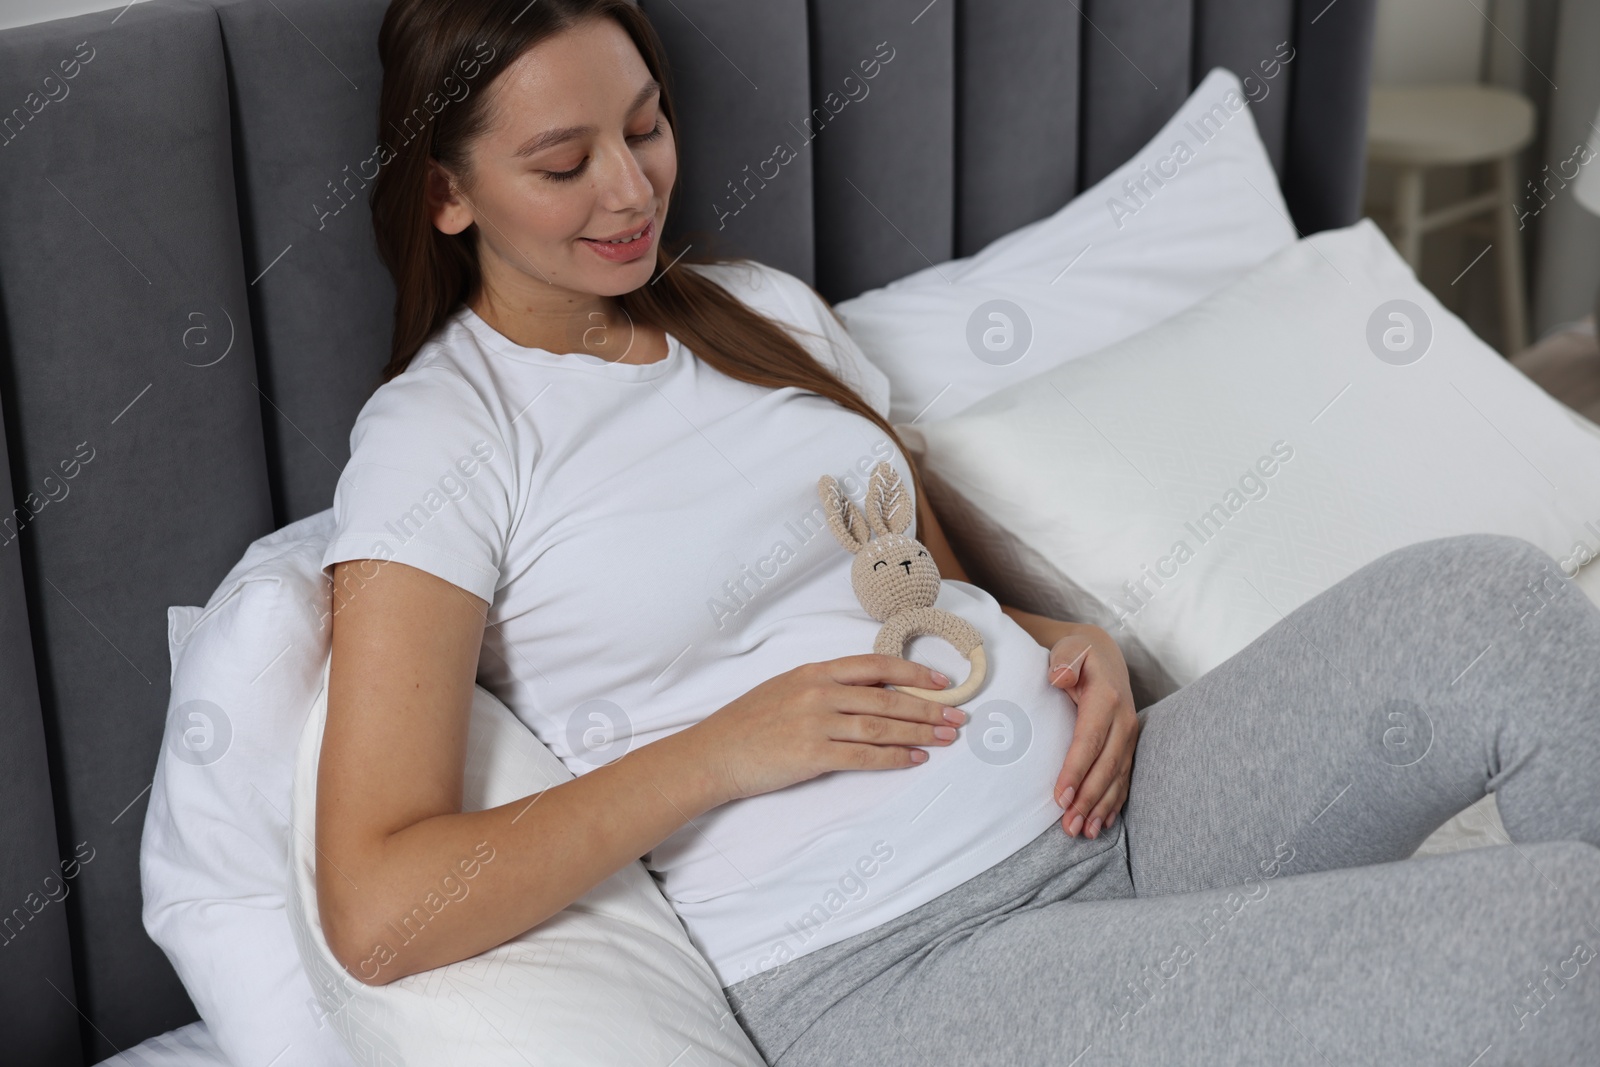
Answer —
827 716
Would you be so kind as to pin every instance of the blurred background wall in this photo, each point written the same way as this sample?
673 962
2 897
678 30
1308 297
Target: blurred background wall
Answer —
1548 50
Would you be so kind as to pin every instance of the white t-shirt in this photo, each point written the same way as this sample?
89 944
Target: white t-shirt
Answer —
651 543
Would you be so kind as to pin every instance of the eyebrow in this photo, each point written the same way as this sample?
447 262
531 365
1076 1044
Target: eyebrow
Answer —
568 133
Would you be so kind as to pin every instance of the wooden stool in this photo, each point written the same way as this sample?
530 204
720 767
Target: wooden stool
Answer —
1415 127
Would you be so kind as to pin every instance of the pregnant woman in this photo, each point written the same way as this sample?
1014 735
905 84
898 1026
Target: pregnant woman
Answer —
589 482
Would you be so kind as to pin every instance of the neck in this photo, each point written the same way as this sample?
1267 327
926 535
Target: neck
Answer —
562 323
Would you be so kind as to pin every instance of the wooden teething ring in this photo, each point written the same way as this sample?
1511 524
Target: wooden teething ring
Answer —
961 692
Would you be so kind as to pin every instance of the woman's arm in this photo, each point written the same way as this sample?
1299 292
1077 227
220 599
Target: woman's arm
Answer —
390 833
407 881
1046 631
1041 628
1085 662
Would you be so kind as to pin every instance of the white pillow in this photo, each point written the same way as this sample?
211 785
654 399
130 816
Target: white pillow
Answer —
611 980
186 1046
213 858
1325 432
1102 268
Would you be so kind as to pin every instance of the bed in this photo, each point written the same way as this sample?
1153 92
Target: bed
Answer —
191 298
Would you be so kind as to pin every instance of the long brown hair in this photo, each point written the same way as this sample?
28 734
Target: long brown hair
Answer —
429 50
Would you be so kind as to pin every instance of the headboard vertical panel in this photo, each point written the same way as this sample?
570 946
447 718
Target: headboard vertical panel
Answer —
882 121
1245 37
1136 73
741 80
34 934
1017 132
1326 150
130 371
305 79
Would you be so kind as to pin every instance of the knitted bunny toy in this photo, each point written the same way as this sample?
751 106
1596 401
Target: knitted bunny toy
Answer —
896 579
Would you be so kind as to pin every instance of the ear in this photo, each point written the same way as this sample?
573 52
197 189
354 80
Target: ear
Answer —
446 207
888 503
844 520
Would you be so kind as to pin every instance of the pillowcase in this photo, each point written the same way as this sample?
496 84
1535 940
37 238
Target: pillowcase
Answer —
186 1046
1188 486
610 980
213 856
1195 209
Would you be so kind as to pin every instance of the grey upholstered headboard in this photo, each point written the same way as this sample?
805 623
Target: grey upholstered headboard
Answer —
192 313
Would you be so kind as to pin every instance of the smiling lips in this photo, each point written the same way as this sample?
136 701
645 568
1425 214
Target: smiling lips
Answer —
626 247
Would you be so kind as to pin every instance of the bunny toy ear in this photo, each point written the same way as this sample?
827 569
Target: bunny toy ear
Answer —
844 520
888 504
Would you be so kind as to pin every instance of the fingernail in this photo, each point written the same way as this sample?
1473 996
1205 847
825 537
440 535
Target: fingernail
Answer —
945 733
1077 824
955 715
1094 826
918 755
941 679
1111 818
1065 799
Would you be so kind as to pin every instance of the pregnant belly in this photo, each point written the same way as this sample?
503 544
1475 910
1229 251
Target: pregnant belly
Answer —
1002 766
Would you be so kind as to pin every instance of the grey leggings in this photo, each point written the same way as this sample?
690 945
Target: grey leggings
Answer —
1255 903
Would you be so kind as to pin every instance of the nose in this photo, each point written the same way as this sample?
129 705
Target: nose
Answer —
625 189
906 563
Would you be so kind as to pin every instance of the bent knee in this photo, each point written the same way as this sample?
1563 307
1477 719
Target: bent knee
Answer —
1480 553
1495 568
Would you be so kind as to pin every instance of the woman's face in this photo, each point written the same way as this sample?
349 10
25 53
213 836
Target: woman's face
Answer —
577 151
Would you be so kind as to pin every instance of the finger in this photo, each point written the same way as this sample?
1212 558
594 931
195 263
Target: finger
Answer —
1095 709
870 668
1125 780
1066 664
1116 794
848 755
1101 777
877 730
891 703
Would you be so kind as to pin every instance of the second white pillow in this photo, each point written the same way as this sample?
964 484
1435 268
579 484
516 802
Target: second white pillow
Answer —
1188 487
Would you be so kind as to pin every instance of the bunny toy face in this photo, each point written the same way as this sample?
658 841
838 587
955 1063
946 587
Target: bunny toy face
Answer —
892 572
896 580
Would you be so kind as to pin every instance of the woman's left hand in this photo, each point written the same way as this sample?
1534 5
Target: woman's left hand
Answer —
1093 783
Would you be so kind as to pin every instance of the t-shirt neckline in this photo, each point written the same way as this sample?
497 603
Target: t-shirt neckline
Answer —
581 361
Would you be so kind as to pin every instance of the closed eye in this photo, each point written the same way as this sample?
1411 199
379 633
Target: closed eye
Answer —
880 563
569 175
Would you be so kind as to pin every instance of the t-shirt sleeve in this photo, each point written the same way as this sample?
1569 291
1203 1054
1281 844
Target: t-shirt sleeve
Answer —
836 348
430 483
